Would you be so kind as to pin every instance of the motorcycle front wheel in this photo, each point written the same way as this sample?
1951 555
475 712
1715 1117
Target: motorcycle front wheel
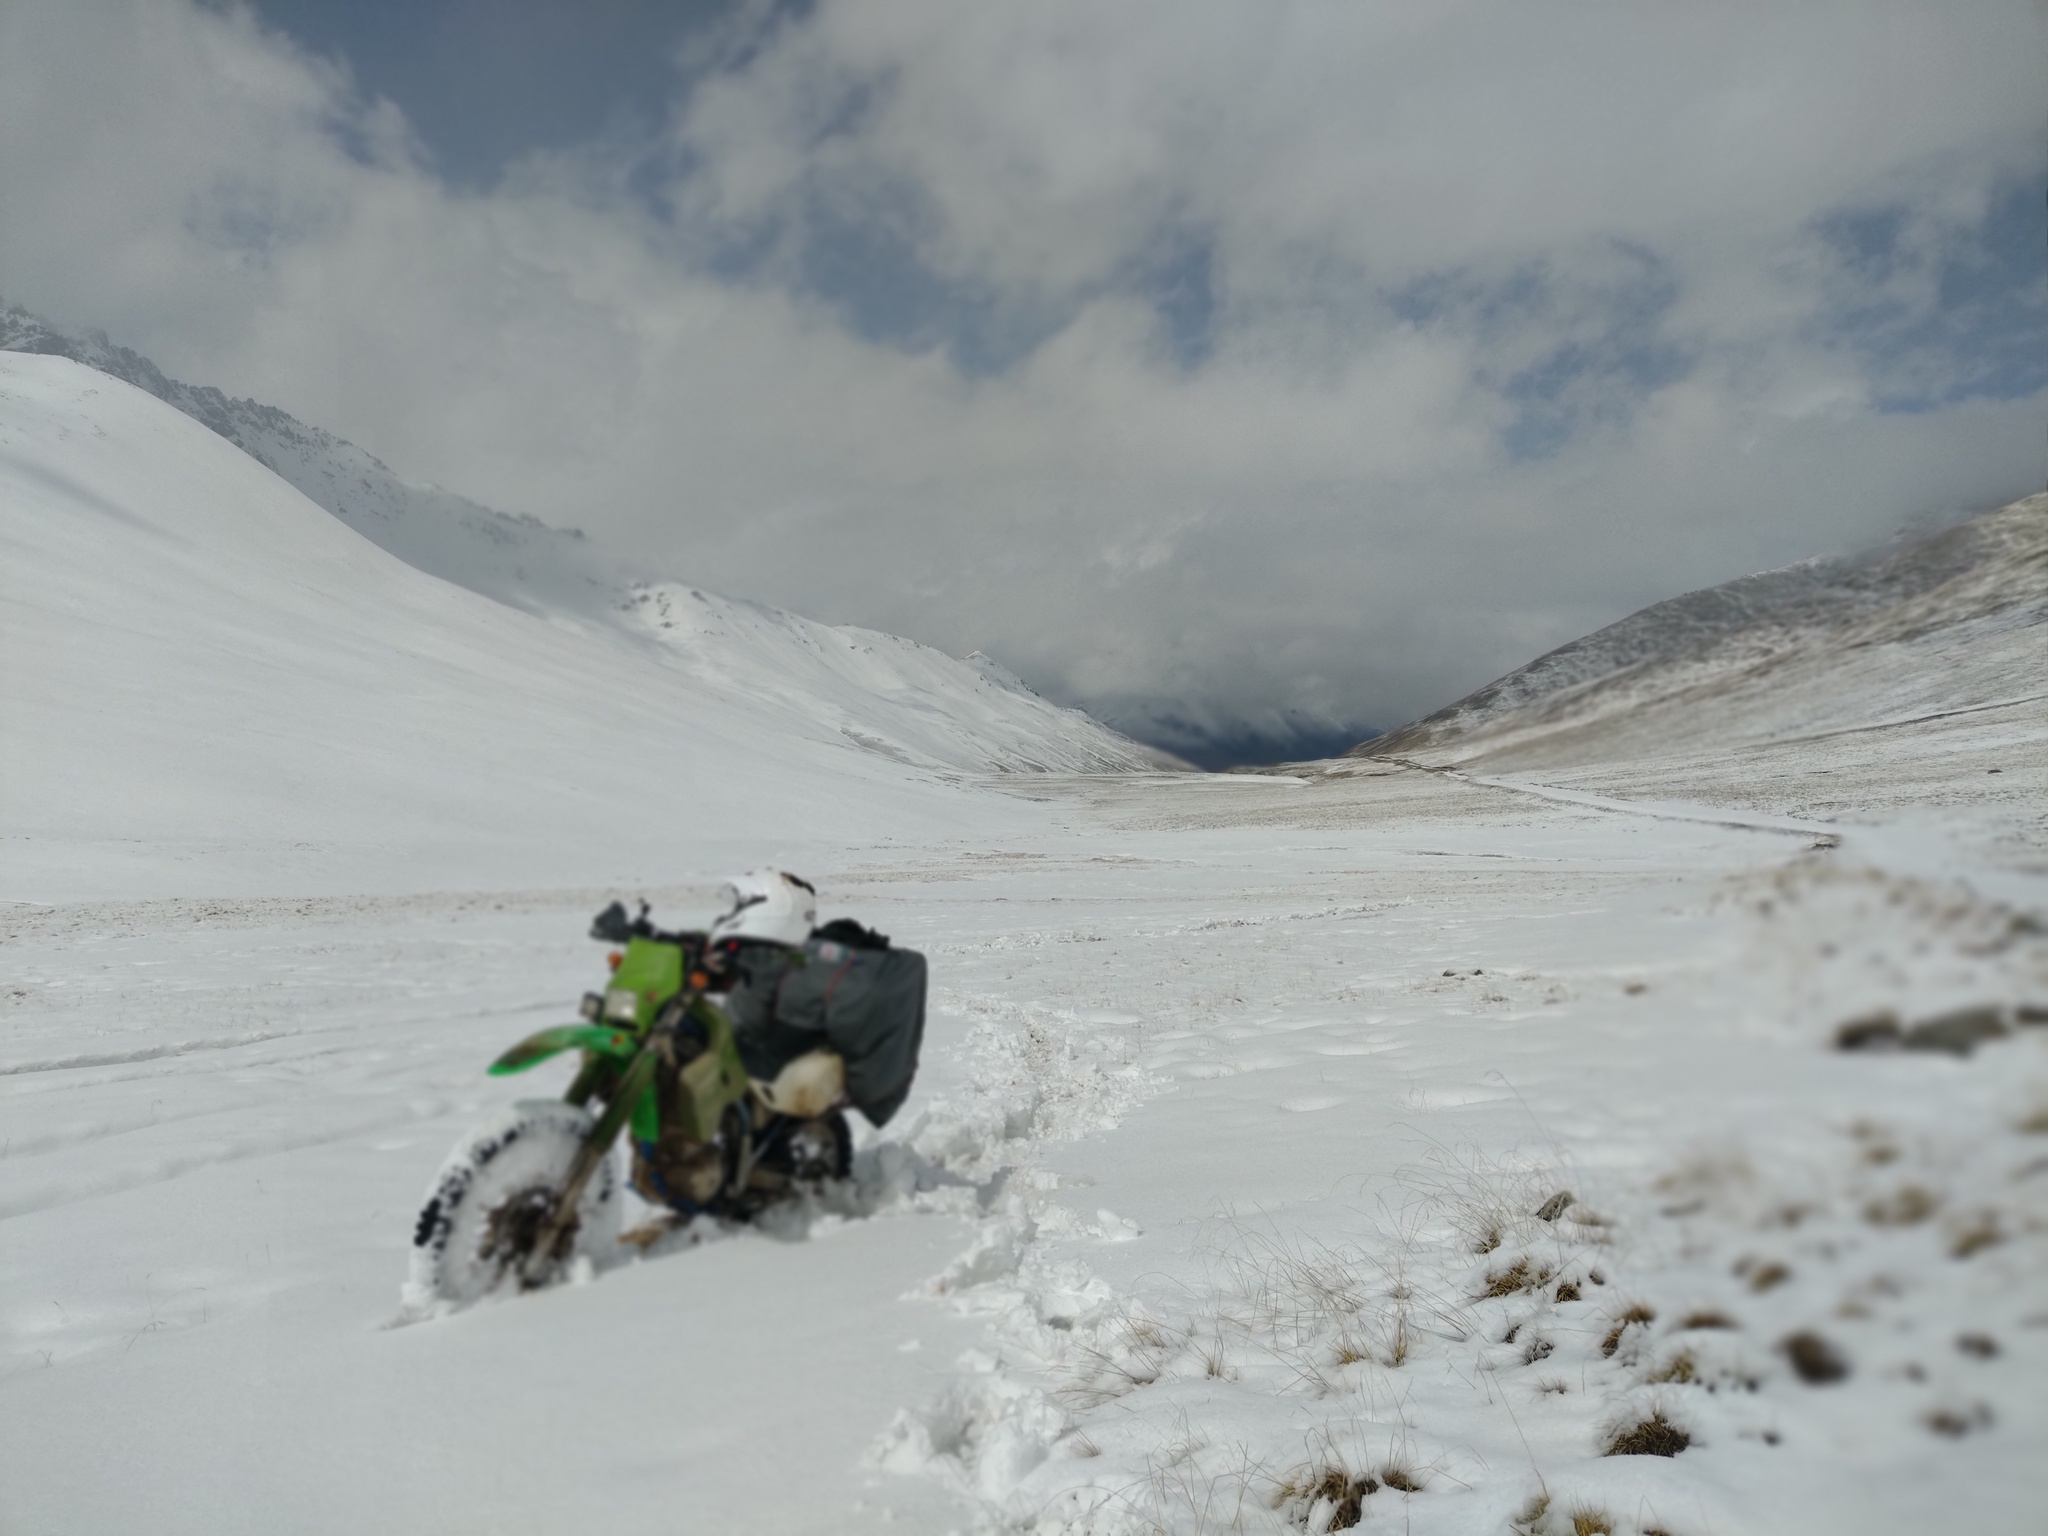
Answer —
487 1206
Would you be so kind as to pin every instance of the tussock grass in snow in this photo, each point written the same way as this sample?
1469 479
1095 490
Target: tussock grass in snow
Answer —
1480 1321
1653 1435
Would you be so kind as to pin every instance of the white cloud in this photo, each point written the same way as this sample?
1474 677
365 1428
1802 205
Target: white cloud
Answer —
1411 243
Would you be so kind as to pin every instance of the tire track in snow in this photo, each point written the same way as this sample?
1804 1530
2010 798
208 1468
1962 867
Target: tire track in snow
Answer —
145 1053
28 1195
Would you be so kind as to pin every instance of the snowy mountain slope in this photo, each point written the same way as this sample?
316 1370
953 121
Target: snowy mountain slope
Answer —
1951 623
903 700
886 694
211 684
515 560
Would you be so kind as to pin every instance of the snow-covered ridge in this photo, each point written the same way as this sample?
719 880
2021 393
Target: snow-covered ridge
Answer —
1945 623
887 695
213 686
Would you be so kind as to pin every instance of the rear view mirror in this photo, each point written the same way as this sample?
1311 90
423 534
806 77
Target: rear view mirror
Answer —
611 925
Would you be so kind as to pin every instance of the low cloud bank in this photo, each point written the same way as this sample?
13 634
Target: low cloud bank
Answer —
1236 375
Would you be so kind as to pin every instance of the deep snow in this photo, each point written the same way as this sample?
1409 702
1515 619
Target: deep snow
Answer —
1204 1128
1240 1093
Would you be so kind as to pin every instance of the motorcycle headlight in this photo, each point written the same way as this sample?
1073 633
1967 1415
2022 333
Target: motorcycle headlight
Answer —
621 1003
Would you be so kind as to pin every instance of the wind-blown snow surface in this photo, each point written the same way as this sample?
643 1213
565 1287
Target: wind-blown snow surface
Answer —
889 695
1228 1085
1218 1192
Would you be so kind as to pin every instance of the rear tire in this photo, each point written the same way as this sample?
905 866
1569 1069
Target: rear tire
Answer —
830 1149
815 1151
484 1206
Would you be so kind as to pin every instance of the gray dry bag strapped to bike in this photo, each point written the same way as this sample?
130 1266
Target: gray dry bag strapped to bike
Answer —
869 1005
865 999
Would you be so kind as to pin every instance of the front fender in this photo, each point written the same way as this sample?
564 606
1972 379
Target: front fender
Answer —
535 1049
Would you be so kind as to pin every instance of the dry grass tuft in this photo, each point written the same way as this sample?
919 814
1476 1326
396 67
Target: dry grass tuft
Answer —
1817 1362
1144 1333
1958 1422
1654 1436
1538 1348
1567 1290
1975 1233
1505 1282
1132 1355
1680 1368
1762 1277
1707 1317
1328 1496
1518 1276
1529 1521
1555 1206
1534 1519
1635 1314
1400 1343
1347 1496
1871 1032
1906 1206
1403 1479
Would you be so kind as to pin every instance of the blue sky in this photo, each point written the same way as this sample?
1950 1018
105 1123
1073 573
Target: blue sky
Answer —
484 82
1224 369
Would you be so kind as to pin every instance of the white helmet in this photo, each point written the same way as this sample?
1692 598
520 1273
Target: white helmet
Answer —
769 904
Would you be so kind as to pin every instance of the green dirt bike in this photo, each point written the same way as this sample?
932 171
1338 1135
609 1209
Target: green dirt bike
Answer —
524 1194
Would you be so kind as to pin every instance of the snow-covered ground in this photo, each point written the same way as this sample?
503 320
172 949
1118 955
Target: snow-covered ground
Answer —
1240 1096
1216 1207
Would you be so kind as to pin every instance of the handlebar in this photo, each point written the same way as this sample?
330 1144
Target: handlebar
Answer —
612 926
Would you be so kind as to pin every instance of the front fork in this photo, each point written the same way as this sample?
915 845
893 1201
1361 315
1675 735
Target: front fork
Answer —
540 1258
